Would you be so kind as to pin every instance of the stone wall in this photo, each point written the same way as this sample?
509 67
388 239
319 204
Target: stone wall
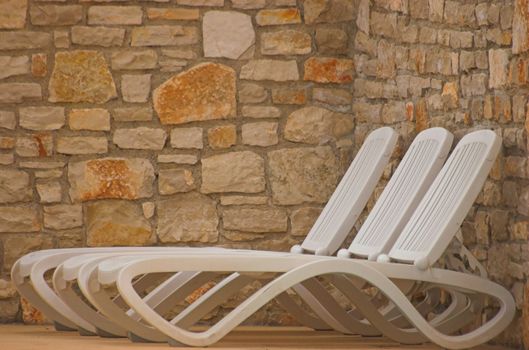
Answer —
229 122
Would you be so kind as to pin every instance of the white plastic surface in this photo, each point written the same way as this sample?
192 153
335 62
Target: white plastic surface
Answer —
447 202
416 172
351 196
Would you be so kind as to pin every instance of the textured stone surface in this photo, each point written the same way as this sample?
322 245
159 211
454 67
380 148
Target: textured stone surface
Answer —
7 120
223 136
317 125
17 40
13 13
255 220
132 114
290 96
241 200
233 172
178 158
39 65
95 119
30 314
520 32
130 178
135 87
189 217
172 181
82 145
178 14
55 15
260 134
13 66
19 92
252 93
204 92
81 76
164 35
248 4
109 15
275 70
116 223
331 40
261 112
329 70
303 219
16 246
36 145
19 219
227 34
140 138
498 63
318 11
128 59
201 2
49 191
286 42
63 216
14 186
98 36
41 118
278 17
187 138
337 97
299 175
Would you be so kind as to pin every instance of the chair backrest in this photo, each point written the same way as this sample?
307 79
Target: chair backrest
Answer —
352 193
444 207
401 196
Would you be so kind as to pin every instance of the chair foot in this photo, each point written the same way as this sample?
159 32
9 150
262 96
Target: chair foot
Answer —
105 334
137 339
85 333
59 327
177 344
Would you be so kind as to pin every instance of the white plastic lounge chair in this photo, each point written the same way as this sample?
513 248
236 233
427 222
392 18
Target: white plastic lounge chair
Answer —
412 258
344 207
412 178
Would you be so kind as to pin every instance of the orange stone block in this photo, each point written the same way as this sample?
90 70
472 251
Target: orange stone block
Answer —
81 76
278 17
204 92
107 178
39 65
329 70
421 115
30 315
173 14
223 136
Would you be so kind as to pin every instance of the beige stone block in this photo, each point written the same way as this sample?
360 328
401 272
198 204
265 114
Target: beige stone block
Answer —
94 119
116 223
82 145
171 181
107 178
255 220
233 172
140 138
188 217
260 134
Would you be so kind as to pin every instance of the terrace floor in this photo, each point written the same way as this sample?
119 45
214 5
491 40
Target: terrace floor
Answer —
19 337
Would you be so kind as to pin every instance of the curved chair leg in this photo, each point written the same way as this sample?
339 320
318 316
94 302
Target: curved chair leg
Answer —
104 327
378 275
50 297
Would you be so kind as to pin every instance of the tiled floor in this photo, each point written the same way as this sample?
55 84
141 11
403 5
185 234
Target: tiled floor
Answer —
19 337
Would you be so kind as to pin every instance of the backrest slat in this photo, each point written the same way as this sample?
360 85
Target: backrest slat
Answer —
352 193
447 202
402 194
